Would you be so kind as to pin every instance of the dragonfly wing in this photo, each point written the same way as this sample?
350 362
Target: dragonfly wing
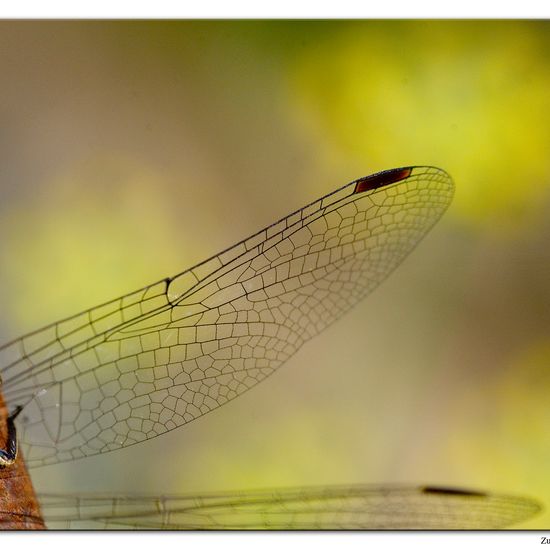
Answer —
153 360
346 507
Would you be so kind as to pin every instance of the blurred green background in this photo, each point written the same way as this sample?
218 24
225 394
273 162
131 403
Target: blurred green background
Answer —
132 150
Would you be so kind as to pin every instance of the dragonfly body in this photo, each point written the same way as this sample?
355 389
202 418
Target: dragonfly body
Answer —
8 455
155 359
19 508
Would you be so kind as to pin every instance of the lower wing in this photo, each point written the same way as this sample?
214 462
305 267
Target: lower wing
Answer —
347 507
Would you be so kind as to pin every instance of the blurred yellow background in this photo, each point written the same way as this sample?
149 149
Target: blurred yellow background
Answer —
133 150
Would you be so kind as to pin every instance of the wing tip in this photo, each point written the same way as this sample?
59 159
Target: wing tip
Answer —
381 179
451 491
393 175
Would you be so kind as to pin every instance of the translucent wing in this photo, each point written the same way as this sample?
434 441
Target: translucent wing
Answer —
155 359
346 507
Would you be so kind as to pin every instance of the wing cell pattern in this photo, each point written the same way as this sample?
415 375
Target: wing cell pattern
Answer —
153 360
346 507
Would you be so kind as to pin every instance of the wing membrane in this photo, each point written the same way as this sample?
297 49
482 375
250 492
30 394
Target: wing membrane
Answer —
155 359
345 507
